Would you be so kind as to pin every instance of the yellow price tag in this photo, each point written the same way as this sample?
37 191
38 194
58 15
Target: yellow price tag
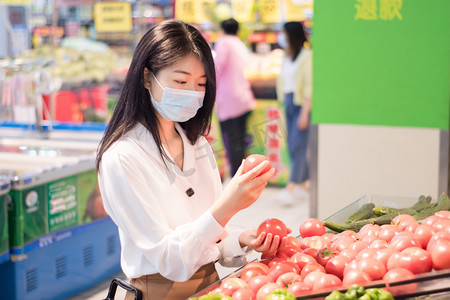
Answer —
112 17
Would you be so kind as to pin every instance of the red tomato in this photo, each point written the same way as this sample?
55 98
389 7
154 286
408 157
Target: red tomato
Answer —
273 226
399 274
324 255
311 267
253 160
243 294
445 214
350 233
358 246
437 236
327 282
431 220
301 259
311 227
336 265
287 279
274 262
355 277
257 282
266 290
414 259
403 240
371 234
387 232
251 272
440 254
403 220
342 243
412 227
379 244
366 253
441 225
423 234
383 255
316 242
293 245
299 288
281 268
328 236
372 267
348 253
352 265
312 252
255 264
313 277
230 285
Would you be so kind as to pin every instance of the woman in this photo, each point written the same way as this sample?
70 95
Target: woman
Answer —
158 176
294 88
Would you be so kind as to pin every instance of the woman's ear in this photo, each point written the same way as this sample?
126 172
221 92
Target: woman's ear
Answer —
147 79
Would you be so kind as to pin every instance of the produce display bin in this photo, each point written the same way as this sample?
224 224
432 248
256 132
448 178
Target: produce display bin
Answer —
68 262
5 185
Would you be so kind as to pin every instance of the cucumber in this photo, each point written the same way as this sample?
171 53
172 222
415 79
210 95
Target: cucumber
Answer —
443 203
364 212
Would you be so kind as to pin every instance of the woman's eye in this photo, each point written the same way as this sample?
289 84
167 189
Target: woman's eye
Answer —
180 82
202 84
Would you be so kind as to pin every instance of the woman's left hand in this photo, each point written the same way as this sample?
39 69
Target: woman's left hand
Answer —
266 244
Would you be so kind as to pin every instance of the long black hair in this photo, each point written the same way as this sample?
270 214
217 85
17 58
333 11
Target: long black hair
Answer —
163 45
296 37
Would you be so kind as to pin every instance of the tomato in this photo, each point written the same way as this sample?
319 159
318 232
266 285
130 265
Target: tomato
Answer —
387 232
311 227
257 282
379 244
342 243
348 253
352 265
366 253
440 254
253 160
414 259
445 214
355 277
281 268
287 279
243 294
403 220
336 265
431 220
383 255
371 234
403 240
266 290
274 262
328 236
311 267
249 273
441 225
423 234
299 288
301 259
324 255
273 226
412 227
312 252
315 242
230 285
327 282
293 245
399 274
254 264
313 277
372 267
437 236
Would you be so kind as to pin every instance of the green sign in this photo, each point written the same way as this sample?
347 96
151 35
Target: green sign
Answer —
379 62
62 203
4 235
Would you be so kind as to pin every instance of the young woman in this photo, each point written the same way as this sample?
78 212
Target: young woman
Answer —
158 176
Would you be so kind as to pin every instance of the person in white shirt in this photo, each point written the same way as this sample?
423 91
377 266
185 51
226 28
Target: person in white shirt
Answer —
158 175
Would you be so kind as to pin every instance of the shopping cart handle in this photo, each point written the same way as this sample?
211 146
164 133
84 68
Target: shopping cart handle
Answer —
125 285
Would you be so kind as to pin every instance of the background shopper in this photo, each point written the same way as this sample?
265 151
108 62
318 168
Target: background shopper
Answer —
158 177
294 88
235 99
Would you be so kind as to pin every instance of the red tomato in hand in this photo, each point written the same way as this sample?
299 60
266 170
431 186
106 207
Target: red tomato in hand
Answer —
253 160
311 227
273 226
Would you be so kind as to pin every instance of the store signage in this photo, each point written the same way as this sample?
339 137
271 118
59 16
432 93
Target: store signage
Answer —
242 10
16 2
113 17
378 10
298 12
270 11
194 11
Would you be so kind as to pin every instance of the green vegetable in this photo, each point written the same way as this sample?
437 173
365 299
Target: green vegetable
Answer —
364 212
357 225
354 292
384 295
384 210
424 202
336 295
443 203
280 294
213 297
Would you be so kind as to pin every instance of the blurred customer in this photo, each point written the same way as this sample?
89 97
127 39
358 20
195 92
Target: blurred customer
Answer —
235 99
294 88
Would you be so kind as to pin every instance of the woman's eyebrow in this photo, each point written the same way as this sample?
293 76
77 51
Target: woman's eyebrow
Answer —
186 73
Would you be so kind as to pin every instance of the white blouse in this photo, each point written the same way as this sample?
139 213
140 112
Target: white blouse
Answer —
162 229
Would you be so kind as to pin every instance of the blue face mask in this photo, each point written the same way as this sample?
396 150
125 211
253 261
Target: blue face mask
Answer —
281 40
176 104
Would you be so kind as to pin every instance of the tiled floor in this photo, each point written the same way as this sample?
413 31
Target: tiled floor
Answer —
250 218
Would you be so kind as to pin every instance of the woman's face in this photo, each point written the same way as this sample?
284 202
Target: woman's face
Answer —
186 74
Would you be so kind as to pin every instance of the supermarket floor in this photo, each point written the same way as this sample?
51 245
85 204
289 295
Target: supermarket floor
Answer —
265 207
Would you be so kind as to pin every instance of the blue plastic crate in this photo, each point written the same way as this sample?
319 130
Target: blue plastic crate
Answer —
75 261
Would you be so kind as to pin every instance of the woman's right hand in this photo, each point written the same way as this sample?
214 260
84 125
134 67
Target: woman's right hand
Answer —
241 192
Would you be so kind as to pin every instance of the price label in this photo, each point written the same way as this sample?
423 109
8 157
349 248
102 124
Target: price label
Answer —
112 17
242 10
270 11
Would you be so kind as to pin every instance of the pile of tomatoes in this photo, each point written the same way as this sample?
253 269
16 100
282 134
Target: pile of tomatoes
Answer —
320 261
